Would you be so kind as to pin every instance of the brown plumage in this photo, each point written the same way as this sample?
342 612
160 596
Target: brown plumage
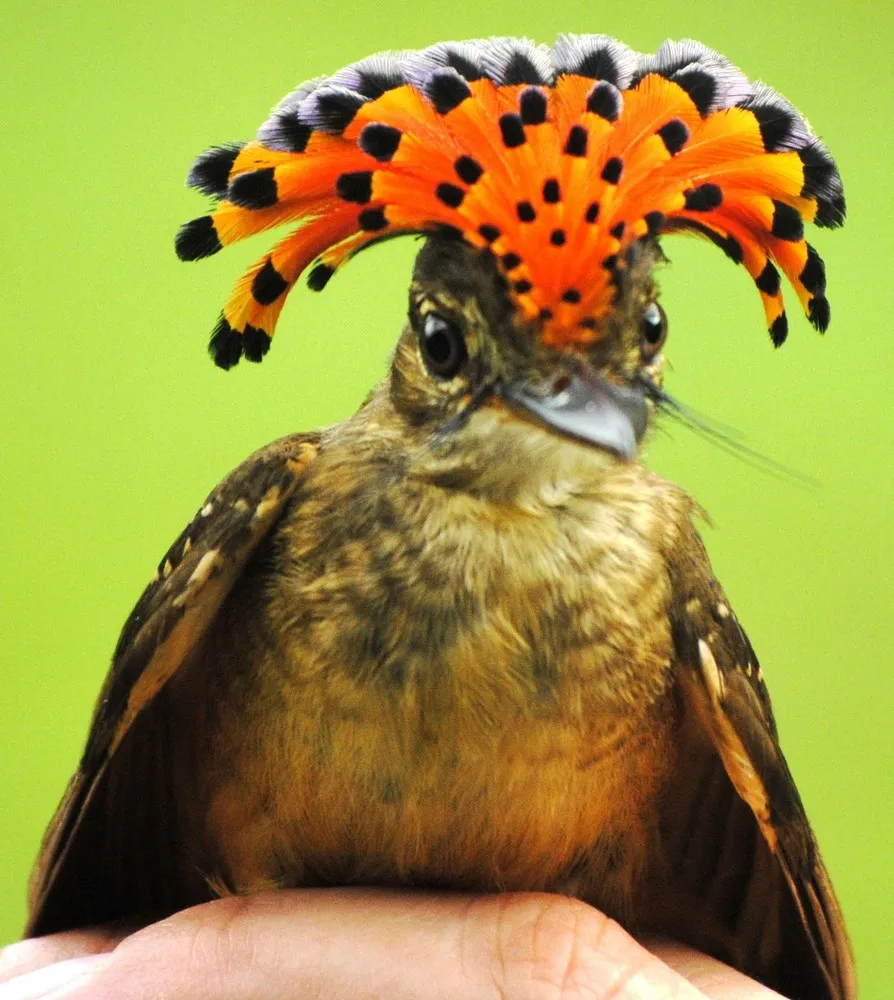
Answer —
441 644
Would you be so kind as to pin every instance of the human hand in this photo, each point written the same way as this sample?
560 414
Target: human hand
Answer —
362 944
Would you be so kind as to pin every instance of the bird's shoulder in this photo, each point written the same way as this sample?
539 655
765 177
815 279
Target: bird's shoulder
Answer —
197 572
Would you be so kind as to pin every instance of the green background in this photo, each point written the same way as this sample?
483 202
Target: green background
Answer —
115 423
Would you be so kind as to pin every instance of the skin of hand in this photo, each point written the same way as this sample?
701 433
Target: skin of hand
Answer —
361 944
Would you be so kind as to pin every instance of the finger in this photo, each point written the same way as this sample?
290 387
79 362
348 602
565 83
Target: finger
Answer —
26 956
346 944
713 978
53 980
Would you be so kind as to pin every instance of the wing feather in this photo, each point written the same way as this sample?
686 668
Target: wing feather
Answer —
166 626
788 927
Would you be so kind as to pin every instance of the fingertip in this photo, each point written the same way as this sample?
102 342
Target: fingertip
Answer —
26 956
711 976
558 946
60 981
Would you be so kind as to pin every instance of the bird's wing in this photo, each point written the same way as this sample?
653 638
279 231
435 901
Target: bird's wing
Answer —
735 830
81 868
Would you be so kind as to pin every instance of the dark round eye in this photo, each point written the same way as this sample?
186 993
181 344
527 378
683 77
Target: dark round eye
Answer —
652 330
442 345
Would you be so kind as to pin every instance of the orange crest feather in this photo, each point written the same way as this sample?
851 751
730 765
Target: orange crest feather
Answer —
558 160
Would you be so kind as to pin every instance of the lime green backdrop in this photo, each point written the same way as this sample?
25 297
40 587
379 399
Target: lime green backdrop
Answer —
115 423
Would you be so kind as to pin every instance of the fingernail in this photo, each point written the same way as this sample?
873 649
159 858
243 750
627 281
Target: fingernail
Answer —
54 982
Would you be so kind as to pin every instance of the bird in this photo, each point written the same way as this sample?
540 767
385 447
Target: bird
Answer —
465 639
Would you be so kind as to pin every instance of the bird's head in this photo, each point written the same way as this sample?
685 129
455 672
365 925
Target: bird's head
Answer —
475 376
543 179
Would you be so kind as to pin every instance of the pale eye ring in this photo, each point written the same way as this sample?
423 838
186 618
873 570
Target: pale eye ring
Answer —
443 346
652 330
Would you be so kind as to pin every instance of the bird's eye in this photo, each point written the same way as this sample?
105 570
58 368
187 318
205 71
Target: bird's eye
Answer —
652 330
443 347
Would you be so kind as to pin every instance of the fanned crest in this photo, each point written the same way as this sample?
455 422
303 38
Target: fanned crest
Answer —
556 159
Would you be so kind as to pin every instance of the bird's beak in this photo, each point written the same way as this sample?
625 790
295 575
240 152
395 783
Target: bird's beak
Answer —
583 405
